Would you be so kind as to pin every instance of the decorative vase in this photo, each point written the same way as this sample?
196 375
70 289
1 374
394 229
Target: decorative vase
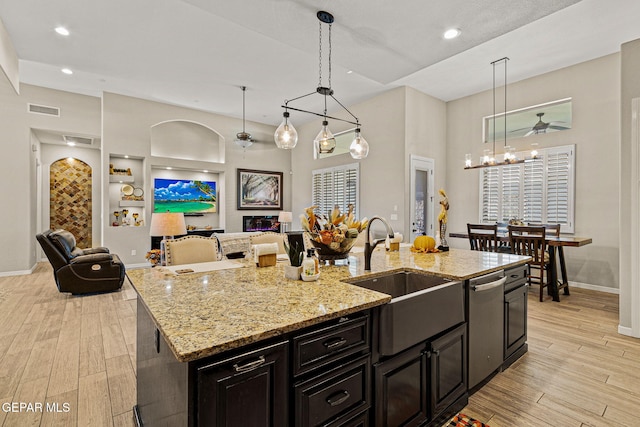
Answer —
292 272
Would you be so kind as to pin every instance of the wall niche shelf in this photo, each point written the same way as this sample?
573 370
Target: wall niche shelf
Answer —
131 203
121 178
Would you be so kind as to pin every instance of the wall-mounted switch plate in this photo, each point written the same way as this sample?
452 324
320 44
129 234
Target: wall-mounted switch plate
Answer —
394 217
133 252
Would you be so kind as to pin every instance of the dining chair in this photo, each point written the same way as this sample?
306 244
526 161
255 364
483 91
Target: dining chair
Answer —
503 227
191 250
483 237
531 241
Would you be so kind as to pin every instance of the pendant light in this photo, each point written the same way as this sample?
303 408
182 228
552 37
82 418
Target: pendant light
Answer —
243 139
286 136
488 158
359 147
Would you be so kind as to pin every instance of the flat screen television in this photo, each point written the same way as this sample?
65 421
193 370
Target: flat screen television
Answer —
184 195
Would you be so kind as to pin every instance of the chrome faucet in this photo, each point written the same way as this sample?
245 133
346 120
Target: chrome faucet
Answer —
368 247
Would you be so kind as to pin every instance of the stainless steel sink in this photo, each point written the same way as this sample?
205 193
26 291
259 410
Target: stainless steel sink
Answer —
421 306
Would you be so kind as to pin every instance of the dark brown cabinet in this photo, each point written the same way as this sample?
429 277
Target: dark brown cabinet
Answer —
332 398
250 389
417 385
401 385
448 359
515 315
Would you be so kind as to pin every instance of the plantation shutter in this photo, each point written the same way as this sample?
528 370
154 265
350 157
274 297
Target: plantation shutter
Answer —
559 186
539 190
490 194
336 186
533 191
511 177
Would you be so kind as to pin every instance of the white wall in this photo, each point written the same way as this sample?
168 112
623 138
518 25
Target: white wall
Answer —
79 114
594 87
630 88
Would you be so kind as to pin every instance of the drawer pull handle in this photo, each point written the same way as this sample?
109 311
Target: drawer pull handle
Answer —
249 366
334 343
338 398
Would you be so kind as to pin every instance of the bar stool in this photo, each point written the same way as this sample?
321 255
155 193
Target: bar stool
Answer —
562 282
531 241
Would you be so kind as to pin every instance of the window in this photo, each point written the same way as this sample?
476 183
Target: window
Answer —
336 186
540 191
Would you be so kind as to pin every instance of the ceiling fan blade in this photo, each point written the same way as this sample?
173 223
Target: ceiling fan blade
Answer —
520 130
529 133
558 127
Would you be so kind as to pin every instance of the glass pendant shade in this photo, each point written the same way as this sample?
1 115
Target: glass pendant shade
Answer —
359 147
286 136
325 142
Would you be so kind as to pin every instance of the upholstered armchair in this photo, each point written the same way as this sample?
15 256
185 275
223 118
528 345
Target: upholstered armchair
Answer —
81 271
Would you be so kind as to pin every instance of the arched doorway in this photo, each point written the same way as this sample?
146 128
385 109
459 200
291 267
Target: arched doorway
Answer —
70 182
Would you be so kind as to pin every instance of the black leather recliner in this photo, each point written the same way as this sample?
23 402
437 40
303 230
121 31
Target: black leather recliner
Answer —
81 271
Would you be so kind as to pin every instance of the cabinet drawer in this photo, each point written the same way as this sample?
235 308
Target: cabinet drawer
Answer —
331 343
516 274
331 399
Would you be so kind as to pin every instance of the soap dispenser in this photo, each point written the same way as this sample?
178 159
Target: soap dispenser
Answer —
310 265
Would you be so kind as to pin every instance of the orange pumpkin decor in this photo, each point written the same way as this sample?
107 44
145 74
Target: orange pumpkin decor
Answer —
424 244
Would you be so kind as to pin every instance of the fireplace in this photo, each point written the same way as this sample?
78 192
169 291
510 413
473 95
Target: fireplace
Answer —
261 223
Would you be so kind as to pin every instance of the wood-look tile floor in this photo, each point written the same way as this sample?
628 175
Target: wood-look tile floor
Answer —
73 355
60 350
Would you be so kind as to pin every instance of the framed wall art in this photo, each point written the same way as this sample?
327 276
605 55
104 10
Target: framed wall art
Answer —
259 190
549 117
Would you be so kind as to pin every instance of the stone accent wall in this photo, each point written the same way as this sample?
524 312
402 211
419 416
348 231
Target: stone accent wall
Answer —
70 199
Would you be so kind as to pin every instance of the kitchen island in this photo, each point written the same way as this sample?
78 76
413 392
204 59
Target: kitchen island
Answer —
285 339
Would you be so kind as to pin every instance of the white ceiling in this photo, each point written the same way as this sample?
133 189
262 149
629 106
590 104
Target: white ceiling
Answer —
197 53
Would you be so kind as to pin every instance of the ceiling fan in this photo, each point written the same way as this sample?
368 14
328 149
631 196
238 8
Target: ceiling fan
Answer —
541 127
244 139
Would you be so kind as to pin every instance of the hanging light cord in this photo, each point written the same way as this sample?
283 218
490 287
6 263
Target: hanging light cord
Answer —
244 88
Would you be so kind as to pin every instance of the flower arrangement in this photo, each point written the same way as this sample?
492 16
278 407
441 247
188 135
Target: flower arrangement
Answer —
153 256
335 234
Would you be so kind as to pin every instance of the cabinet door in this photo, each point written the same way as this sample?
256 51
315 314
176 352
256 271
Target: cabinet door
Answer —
448 368
248 390
515 320
401 389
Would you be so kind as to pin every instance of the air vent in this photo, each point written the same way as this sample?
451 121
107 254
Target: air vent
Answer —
75 140
43 109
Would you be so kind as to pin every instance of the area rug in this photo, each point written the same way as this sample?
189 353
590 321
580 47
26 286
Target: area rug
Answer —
461 420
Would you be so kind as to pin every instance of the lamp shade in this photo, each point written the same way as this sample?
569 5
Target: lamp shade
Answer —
285 216
167 224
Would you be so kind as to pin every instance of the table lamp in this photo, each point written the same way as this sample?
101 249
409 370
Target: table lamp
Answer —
285 218
167 225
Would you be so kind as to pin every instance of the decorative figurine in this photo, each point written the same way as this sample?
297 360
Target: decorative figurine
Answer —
116 222
442 221
135 218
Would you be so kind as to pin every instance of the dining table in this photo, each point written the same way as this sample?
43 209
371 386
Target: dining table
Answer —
554 244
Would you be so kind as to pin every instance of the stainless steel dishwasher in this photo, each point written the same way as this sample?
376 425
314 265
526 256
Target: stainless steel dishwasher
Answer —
486 325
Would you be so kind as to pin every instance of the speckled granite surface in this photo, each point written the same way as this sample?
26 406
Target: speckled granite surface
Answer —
203 314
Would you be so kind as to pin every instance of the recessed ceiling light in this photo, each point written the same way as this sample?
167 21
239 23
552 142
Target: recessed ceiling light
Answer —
126 156
451 33
71 143
169 168
67 71
350 71
205 171
62 31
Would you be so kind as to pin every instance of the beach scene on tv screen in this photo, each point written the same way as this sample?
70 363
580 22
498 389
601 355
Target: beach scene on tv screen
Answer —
183 195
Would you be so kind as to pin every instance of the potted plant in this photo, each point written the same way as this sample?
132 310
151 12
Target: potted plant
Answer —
295 254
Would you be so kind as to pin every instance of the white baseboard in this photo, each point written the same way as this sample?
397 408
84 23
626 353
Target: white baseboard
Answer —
17 273
594 287
134 266
623 330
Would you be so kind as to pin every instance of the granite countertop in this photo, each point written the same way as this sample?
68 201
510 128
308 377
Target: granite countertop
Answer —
202 314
